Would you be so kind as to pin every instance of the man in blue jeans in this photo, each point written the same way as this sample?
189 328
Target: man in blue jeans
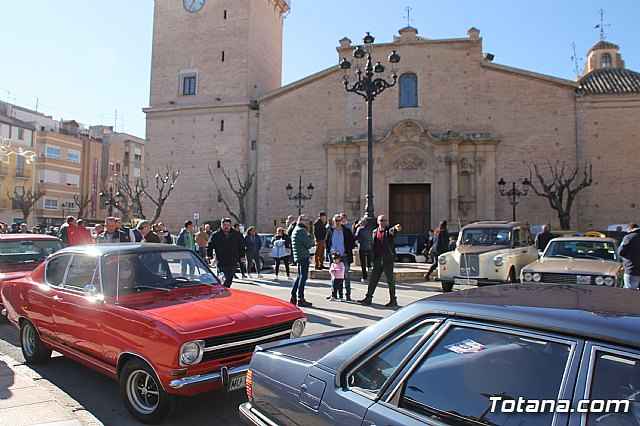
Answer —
630 253
301 242
340 240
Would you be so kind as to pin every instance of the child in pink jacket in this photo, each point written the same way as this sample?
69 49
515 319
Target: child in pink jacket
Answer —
337 276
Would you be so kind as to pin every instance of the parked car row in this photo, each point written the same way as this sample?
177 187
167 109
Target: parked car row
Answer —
494 252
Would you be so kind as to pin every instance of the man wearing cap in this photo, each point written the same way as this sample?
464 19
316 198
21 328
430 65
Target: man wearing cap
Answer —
148 236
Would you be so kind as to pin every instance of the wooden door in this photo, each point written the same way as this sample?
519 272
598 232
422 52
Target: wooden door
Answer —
410 206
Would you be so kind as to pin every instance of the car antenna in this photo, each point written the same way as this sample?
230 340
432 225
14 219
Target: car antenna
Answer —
118 280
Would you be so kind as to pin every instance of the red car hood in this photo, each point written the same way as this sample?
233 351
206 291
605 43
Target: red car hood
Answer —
199 309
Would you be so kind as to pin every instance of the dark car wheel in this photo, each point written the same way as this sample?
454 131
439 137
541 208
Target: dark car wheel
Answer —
447 286
33 349
143 395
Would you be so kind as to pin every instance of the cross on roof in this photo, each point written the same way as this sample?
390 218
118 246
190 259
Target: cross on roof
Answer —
601 25
408 17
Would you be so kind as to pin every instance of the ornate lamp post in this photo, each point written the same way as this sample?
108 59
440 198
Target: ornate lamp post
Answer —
514 193
300 196
64 206
110 201
369 85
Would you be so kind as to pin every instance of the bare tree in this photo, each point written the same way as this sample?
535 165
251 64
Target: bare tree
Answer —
82 201
558 190
165 183
240 192
26 200
132 193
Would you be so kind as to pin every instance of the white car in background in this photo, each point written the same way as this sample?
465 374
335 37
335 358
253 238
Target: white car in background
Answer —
488 252
577 260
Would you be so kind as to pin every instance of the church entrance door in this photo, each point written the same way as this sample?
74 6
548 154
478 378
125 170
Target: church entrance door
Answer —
410 206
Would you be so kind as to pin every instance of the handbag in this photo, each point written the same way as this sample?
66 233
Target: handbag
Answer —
287 251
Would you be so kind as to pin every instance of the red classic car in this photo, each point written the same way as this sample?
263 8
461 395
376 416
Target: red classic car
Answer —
22 253
152 316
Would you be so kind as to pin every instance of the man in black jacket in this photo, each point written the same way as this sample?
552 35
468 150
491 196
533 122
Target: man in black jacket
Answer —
543 238
229 248
630 252
319 234
384 256
340 240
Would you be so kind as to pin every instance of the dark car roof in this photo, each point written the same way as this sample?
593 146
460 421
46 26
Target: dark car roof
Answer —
589 312
101 249
605 313
14 237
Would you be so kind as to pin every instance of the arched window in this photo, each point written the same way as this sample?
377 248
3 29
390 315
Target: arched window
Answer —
606 60
408 90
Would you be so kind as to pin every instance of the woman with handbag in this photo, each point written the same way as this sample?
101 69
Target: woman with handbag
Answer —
281 250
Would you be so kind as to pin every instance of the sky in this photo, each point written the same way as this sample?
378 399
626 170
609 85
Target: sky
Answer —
90 60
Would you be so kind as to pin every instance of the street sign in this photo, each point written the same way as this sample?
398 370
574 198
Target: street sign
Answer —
196 216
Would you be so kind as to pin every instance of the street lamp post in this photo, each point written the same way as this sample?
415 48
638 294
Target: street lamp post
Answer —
300 196
110 201
514 193
64 206
369 85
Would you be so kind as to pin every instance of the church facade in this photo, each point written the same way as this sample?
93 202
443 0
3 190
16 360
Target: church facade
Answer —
454 124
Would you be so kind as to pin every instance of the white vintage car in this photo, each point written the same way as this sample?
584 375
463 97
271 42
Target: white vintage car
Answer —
488 252
577 260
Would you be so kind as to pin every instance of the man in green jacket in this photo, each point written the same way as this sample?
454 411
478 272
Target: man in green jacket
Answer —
301 242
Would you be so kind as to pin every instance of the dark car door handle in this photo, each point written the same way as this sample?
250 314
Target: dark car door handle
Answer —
57 298
303 388
524 251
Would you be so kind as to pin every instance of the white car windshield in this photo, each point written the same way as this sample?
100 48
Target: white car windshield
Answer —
599 250
486 236
24 251
153 270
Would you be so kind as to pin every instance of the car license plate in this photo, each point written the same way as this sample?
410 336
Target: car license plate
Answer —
237 382
583 279
466 281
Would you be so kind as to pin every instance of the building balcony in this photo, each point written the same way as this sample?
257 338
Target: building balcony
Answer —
23 175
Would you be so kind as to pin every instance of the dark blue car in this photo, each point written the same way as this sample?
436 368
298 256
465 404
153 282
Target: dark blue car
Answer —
507 355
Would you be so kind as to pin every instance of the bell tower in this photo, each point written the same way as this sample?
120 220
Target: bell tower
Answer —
211 60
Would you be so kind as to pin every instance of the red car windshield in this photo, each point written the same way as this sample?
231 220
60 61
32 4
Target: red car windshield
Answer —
148 271
27 251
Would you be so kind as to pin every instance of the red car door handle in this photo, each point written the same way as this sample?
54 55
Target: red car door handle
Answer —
57 298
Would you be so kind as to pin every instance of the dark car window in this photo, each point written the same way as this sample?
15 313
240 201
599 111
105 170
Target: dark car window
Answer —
147 271
615 377
56 268
82 271
27 250
469 366
371 375
486 236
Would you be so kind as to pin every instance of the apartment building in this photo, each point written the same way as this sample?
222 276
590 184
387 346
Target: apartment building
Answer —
16 171
59 171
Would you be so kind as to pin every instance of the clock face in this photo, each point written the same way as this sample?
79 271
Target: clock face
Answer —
193 5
